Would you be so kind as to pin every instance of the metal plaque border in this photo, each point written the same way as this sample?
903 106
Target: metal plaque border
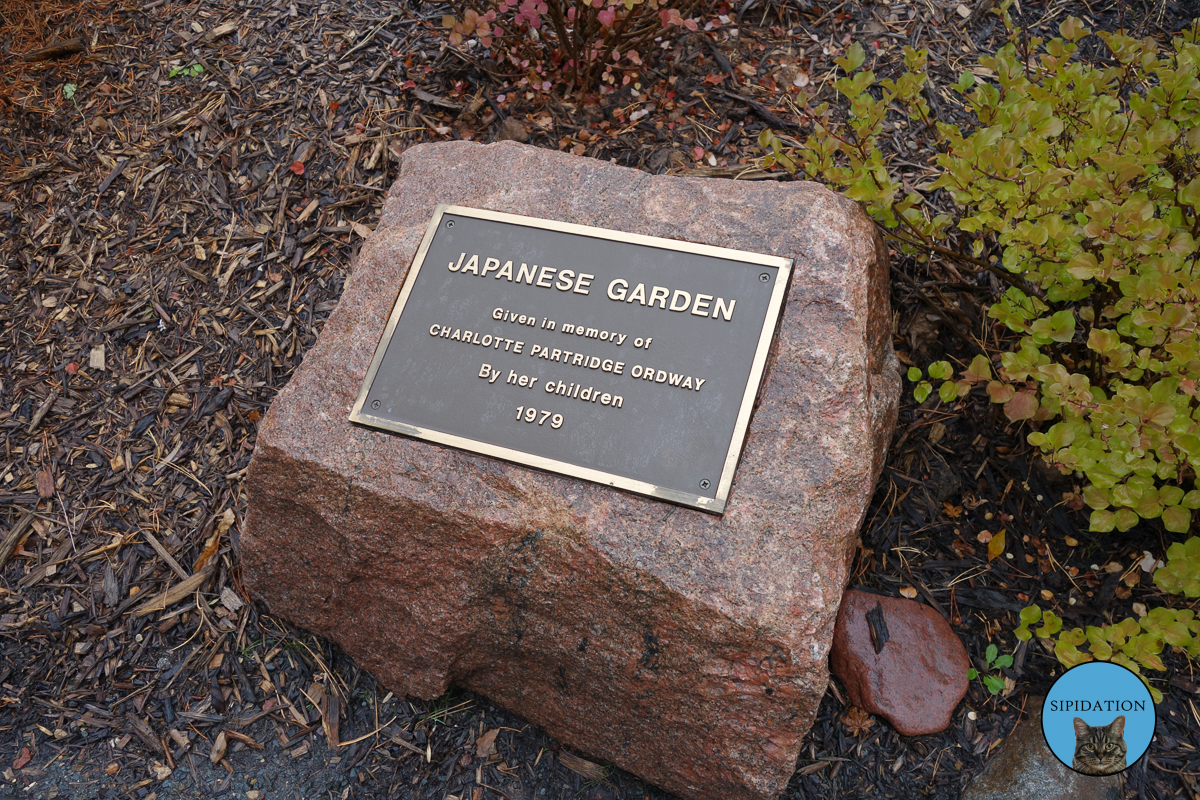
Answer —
714 505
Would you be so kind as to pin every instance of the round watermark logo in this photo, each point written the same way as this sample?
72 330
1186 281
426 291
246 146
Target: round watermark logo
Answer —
1098 718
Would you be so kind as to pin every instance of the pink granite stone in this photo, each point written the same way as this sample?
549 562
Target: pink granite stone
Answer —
685 647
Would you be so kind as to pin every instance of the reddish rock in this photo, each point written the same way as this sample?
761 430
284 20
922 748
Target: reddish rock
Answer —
685 647
918 676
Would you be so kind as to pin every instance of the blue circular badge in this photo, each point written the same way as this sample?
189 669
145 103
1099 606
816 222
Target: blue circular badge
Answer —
1098 718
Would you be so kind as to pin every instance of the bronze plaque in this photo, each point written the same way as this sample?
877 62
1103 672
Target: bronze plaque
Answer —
627 360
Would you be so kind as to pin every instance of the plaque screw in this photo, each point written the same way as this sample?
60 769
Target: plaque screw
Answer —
374 404
450 223
765 278
704 484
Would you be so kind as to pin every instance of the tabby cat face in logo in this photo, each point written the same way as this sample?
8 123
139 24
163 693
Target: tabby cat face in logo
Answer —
1099 749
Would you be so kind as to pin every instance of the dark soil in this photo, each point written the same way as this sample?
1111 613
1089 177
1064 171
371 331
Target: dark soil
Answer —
182 193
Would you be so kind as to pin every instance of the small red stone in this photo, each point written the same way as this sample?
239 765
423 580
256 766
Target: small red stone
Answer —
919 675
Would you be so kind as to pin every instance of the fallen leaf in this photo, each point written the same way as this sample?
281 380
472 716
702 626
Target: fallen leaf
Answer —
112 768
1112 567
486 745
160 771
45 482
1149 563
71 368
1140 609
297 167
952 511
218 748
984 537
908 592
1072 541
996 545
936 431
1047 594
857 721
210 547
23 758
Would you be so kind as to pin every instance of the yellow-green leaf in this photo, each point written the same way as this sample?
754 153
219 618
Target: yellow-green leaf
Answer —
1177 519
996 545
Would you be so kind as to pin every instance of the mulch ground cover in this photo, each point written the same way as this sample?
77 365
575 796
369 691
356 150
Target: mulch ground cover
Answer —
183 187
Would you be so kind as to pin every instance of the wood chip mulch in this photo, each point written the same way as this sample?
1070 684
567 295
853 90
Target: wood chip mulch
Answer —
183 187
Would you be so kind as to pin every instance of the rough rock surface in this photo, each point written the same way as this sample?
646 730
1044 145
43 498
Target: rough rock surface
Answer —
687 648
1024 767
917 678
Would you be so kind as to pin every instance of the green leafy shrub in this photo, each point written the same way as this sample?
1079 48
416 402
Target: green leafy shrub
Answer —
1181 573
1086 180
585 44
1078 187
1132 643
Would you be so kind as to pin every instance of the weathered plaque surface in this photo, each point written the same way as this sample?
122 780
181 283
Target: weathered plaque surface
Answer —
628 360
